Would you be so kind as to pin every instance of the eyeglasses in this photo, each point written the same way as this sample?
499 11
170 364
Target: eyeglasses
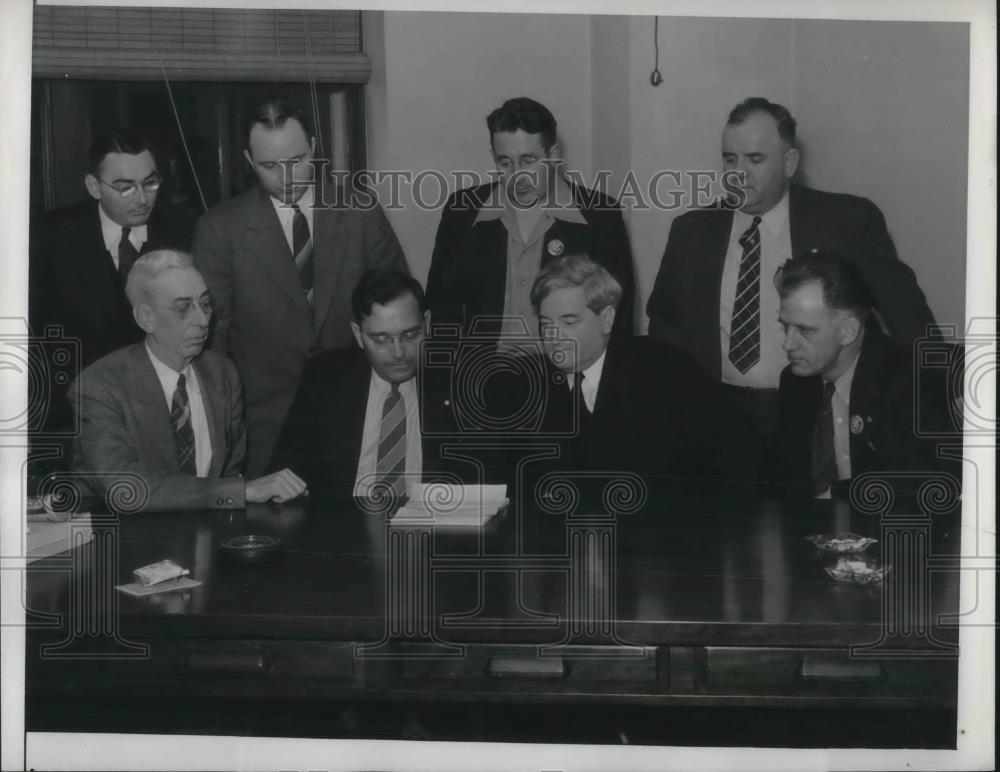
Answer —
184 308
128 189
384 339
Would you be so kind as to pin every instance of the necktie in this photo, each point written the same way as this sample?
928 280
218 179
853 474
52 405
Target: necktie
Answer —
180 417
302 249
744 330
824 455
391 463
582 413
127 253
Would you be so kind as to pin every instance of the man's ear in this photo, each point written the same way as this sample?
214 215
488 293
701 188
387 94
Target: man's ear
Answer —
427 321
607 319
93 186
357 334
312 146
850 329
143 316
791 162
246 154
555 152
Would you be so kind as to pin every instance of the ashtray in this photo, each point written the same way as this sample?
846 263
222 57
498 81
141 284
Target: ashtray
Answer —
857 571
251 547
841 543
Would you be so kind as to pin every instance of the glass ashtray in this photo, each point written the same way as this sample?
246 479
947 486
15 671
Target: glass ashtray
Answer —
250 542
857 571
841 543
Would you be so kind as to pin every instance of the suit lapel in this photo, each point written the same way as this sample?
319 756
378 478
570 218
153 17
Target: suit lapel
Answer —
213 399
715 248
866 388
151 410
269 246
329 247
802 226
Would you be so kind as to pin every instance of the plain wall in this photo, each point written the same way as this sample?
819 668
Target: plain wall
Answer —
882 110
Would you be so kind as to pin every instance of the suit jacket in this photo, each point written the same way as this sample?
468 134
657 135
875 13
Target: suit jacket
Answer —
883 398
125 428
322 436
75 286
655 415
684 305
262 319
469 266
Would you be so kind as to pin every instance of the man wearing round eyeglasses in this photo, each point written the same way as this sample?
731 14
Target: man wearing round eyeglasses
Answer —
366 421
166 412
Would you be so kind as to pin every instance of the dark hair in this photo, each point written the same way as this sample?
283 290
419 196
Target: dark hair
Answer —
383 286
784 119
844 288
525 114
115 141
274 114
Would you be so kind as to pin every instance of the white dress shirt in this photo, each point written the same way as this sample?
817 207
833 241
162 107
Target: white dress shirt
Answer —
286 214
591 381
775 249
199 421
112 233
378 390
841 402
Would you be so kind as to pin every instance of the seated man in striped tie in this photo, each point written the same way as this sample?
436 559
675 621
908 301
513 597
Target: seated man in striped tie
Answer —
162 416
848 400
358 427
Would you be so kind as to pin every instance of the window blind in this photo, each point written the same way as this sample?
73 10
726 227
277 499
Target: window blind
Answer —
106 43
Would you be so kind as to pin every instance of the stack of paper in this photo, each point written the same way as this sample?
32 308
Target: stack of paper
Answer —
452 505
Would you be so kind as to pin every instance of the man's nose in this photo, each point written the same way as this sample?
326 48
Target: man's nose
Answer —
786 343
397 348
141 195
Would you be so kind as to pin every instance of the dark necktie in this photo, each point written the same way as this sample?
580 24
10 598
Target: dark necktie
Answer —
302 250
180 417
744 329
391 464
127 254
580 403
824 454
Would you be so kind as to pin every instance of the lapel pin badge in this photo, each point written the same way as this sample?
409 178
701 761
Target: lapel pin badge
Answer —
556 247
857 424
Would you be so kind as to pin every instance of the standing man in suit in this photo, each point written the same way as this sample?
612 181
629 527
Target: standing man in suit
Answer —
493 239
631 404
355 428
847 394
714 293
166 411
281 266
81 255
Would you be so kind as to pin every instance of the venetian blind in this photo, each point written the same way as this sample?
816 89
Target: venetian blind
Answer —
104 43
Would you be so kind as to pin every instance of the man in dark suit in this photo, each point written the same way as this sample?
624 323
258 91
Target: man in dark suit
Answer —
847 395
494 238
161 417
81 255
281 266
714 294
357 428
629 404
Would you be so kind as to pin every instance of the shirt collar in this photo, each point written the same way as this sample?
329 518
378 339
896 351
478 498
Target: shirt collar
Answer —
112 232
383 386
774 220
592 374
305 202
560 204
168 375
842 384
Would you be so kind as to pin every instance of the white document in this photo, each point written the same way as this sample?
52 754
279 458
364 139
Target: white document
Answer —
463 506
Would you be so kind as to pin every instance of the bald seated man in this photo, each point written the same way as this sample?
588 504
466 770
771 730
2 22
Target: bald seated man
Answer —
163 414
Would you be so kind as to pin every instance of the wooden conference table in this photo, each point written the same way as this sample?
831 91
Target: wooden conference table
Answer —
689 605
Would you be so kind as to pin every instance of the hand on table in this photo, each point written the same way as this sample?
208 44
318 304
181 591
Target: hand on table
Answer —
280 487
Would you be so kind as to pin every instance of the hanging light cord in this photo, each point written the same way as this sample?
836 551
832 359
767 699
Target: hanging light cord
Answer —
180 131
655 77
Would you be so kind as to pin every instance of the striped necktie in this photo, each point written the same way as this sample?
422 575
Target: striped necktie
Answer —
303 251
180 418
744 329
127 253
391 464
824 455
